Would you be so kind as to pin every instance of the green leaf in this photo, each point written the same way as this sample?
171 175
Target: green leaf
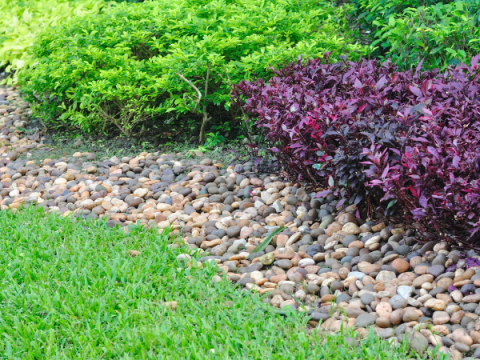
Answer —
267 241
391 21
391 203
331 182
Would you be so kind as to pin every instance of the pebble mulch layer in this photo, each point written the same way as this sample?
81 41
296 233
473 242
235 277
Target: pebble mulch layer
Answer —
341 269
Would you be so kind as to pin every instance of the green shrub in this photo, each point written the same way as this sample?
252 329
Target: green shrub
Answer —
21 21
158 60
441 32
369 11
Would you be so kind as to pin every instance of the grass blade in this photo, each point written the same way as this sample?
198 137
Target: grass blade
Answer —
267 241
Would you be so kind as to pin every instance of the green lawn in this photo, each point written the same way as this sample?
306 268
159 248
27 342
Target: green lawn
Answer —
69 290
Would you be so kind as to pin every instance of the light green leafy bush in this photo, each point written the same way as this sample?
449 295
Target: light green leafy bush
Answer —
21 21
152 62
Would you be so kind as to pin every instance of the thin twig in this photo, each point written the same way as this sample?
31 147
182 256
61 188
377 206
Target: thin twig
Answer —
195 88
206 86
206 118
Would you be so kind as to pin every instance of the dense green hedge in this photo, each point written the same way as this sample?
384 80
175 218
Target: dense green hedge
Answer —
161 59
368 11
442 33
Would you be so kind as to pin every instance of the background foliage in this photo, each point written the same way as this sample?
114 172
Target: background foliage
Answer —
441 32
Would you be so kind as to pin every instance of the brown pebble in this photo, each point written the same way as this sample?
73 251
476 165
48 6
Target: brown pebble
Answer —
383 322
277 278
356 244
171 305
396 316
465 276
421 269
134 253
400 265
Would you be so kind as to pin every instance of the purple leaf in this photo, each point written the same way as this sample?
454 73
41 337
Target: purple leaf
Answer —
419 66
323 193
456 161
432 151
381 82
340 203
475 60
416 91
421 139
423 201
451 288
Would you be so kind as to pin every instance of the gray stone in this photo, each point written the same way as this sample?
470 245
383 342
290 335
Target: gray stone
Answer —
233 231
313 289
237 245
440 259
359 275
403 249
436 270
313 249
292 200
188 209
342 297
400 330
284 264
218 250
366 258
398 302
245 280
367 298
209 177
476 354
469 307
317 316
255 267
365 320
287 288
230 265
385 333
417 342
447 341
462 347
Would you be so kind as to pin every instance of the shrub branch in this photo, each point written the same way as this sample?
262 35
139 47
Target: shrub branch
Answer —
199 98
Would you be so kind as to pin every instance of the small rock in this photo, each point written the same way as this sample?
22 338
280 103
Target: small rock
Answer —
398 302
417 342
365 320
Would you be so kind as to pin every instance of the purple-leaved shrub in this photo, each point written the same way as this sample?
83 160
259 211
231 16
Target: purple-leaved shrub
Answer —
404 143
